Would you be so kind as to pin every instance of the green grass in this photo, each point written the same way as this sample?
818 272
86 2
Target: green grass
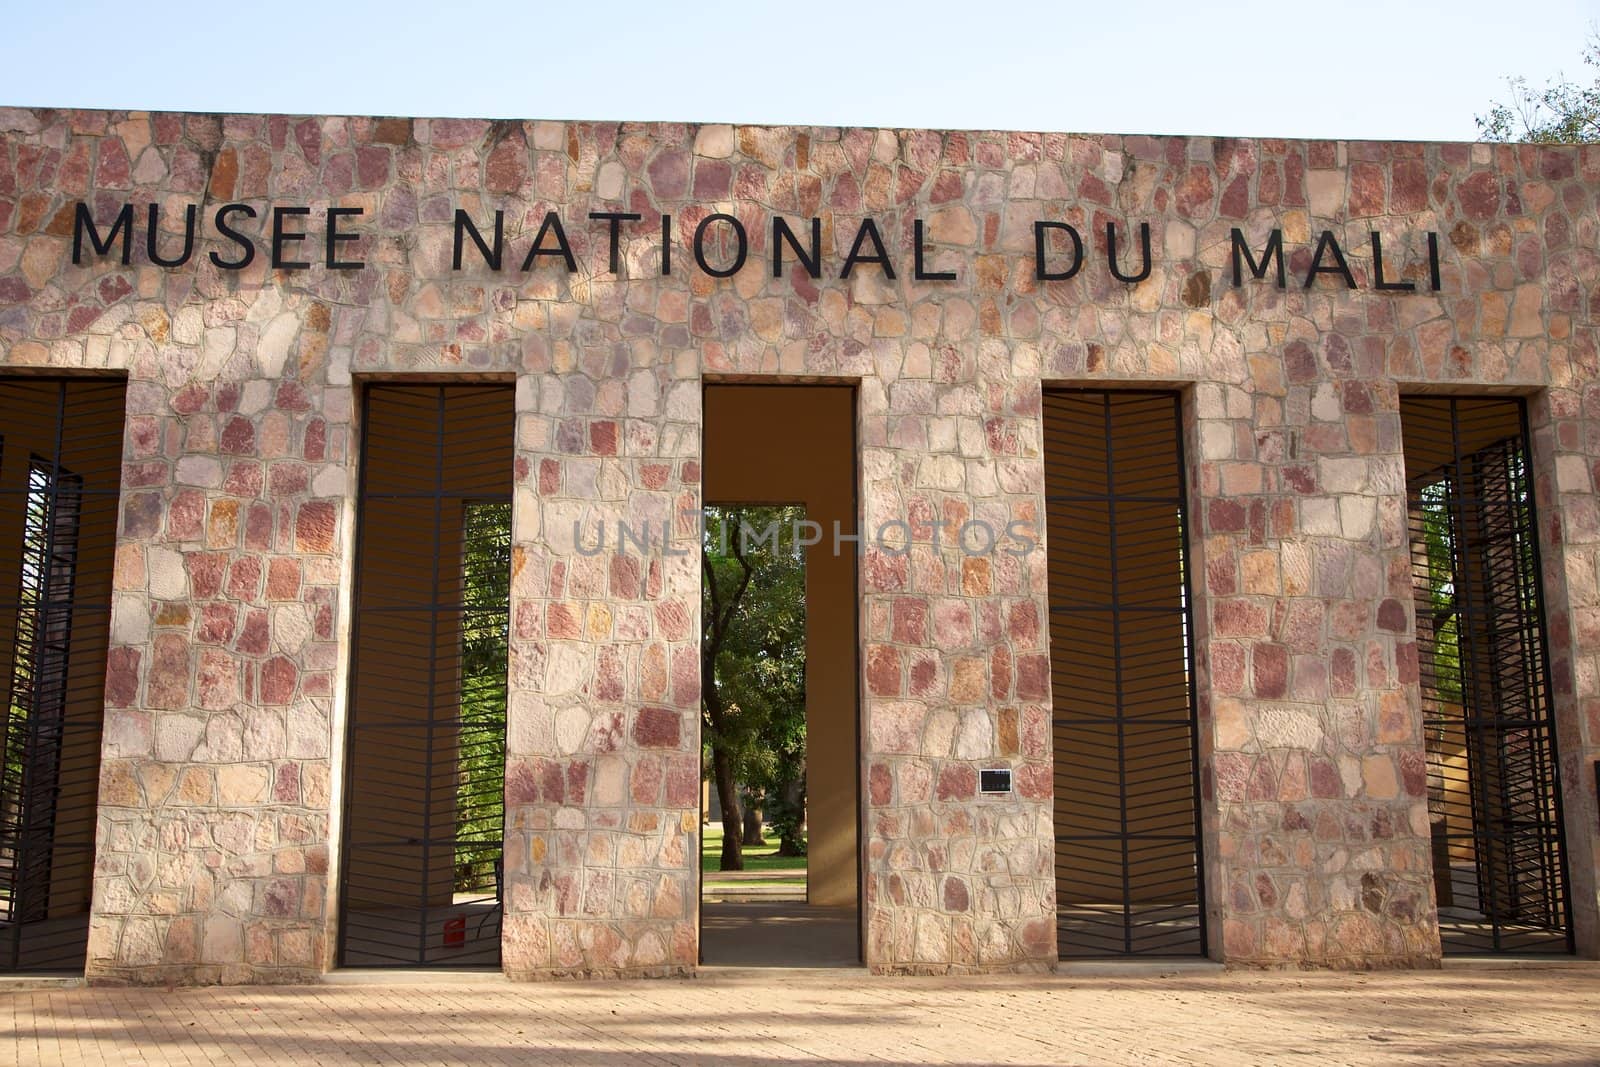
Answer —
760 858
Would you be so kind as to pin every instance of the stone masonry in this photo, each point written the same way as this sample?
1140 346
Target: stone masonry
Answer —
226 685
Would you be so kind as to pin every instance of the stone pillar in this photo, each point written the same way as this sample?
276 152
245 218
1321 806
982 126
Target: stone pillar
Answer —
602 737
212 856
1313 775
1566 462
957 665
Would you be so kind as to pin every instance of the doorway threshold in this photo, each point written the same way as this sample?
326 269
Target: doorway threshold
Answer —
1153 967
414 976
35 983
1517 963
785 934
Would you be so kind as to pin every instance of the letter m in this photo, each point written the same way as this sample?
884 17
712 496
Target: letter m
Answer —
1258 271
83 223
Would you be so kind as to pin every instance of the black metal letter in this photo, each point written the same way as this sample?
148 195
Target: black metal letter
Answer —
917 271
700 246
1377 269
1111 253
1258 271
1040 271
153 230
868 232
83 222
616 219
666 245
465 229
1325 243
281 237
551 224
1433 259
335 238
781 233
221 221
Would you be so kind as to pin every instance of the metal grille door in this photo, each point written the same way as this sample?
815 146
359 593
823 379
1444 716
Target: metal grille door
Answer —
60 471
1499 870
426 763
1127 845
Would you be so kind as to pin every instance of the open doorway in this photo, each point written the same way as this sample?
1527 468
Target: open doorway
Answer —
1494 802
780 864
61 443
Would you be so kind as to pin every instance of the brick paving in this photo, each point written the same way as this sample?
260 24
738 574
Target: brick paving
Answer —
753 1018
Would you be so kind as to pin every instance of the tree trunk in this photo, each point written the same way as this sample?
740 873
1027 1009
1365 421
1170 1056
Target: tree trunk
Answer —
728 797
712 711
752 823
792 842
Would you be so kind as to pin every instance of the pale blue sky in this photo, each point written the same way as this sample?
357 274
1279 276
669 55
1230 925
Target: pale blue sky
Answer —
1318 68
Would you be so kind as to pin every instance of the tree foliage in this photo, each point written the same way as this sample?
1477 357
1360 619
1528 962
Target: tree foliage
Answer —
481 736
1562 112
1439 593
754 703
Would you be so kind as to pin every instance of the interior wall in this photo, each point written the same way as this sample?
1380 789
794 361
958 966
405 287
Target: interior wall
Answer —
795 444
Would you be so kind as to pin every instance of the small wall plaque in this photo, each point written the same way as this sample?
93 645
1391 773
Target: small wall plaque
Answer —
995 780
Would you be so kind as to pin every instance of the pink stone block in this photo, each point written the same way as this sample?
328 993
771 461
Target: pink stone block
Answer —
657 727
279 677
957 781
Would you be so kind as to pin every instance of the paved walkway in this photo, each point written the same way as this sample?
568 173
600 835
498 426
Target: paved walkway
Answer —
748 1018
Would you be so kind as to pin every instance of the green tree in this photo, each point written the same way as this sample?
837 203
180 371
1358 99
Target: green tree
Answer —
1439 594
481 736
753 667
1563 112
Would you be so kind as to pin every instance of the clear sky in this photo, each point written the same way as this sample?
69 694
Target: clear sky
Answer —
1317 68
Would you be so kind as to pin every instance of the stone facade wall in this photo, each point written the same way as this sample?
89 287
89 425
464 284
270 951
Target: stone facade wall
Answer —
225 689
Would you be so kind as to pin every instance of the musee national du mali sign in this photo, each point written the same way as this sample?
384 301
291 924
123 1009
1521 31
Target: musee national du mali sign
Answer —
720 246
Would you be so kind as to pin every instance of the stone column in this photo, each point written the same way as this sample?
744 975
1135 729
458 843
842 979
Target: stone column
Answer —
602 738
957 664
1313 773
212 856
1566 461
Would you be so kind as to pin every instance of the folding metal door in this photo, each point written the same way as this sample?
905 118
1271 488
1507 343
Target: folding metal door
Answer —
1127 845
423 822
1493 798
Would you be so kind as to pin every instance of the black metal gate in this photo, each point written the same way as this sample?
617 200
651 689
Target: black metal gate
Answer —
424 811
1493 797
60 471
1126 808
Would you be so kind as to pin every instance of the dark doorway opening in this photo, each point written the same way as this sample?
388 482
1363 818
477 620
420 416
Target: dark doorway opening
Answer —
425 776
1128 876
60 474
786 453
1494 807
